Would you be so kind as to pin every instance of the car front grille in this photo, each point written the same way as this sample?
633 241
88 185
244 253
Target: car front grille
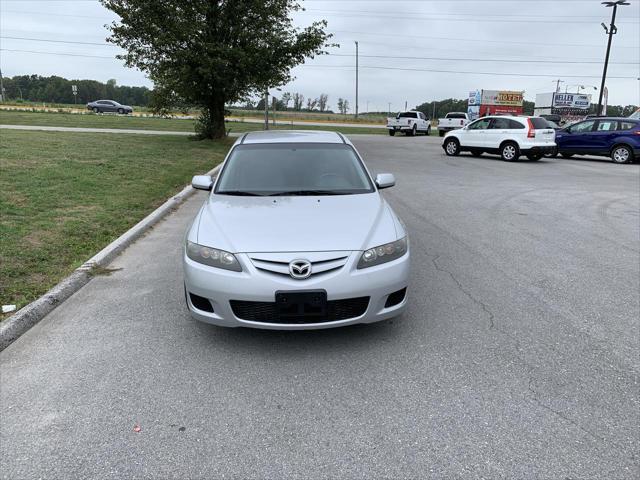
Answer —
278 263
266 312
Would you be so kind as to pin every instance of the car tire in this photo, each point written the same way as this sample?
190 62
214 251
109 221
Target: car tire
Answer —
413 131
622 154
428 132
553 154
534 157
476 153
441 133
95 110
510 152
121 111
566 155
392 132
452 147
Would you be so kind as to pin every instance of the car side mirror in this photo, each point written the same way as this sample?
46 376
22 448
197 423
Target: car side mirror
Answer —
202 182
385 180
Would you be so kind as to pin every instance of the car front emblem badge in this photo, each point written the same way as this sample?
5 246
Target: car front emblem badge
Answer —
300 269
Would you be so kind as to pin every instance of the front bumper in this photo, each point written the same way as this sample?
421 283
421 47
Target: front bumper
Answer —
220 287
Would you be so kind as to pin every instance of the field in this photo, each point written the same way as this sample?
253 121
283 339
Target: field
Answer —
64 196
11 117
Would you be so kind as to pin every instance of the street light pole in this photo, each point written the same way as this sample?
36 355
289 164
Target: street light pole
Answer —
611 31
266 110
356 79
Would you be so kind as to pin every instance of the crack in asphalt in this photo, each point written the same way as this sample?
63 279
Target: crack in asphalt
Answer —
534 396
482 305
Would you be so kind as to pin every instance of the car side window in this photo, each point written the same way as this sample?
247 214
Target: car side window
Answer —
500 124
515 125
583 127
626 125
607 125
481 124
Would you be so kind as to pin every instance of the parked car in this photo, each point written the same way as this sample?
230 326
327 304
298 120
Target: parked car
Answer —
508 136
103 106
617 138
452 121
295 235
411 123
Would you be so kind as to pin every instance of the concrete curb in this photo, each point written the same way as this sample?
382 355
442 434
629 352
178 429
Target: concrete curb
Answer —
28 316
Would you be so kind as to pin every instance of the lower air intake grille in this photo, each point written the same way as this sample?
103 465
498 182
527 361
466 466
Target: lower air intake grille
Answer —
266 312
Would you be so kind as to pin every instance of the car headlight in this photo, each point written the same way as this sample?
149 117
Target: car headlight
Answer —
213 257
383 253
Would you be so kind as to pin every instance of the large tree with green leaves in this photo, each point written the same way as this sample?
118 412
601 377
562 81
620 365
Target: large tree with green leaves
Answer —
211 52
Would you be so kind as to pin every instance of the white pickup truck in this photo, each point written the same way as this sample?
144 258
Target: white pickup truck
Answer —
452 121
410 123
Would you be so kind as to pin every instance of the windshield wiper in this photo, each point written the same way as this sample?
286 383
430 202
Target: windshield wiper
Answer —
240 193
306 192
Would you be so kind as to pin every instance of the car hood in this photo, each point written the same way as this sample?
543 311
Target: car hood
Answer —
295 224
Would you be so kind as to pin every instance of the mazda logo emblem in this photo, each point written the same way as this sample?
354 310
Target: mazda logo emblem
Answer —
300 269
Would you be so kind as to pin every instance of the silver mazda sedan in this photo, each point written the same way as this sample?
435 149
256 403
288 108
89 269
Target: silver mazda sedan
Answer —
295 235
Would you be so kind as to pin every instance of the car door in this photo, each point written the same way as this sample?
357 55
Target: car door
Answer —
499 129
475 134
575 138
604 135
423 122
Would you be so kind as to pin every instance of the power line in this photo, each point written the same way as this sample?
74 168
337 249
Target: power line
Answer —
502 74
417 17
479 40
59 53
499 60
46 40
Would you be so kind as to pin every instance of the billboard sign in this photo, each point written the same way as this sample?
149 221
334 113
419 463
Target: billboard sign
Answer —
571 101
475 97
502 97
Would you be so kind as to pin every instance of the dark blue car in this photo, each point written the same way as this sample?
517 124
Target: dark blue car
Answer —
617 138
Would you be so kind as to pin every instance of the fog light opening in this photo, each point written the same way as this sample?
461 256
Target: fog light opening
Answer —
201 303
395 298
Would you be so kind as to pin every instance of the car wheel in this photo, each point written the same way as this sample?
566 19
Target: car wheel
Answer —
510 152
534 156
476 153
441 133
553 154
452 147
413 131
120 111
392 132
567 155
622 154
96 110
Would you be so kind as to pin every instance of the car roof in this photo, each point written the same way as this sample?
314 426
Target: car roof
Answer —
292 136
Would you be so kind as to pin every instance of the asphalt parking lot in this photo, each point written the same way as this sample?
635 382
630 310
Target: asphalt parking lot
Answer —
517 358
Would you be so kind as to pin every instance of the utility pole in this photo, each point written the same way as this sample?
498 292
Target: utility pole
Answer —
389 108
434 111
356 79
405 105
558 82
266 109
611 31
1 88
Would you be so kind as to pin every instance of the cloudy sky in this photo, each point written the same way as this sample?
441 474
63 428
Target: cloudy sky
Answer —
410 51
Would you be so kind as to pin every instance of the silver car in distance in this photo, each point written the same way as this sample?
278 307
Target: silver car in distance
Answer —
295 235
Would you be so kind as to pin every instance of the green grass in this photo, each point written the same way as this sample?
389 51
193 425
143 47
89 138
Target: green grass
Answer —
64 196
10 117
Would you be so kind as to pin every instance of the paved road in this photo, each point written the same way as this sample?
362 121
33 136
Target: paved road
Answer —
518 357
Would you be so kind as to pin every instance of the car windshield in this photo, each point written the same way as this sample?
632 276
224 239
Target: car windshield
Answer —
287 169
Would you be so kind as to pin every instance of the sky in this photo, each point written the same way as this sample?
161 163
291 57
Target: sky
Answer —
411 51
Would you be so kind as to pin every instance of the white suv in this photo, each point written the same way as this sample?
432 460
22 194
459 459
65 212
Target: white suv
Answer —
507 136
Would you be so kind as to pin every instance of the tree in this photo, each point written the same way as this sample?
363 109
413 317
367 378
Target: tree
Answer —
298 101
343 106
286 98
322 102
213 52
311 104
